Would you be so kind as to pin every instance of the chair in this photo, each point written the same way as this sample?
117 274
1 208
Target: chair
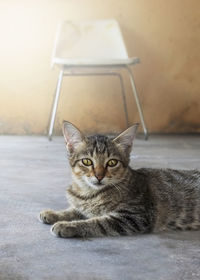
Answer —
92 48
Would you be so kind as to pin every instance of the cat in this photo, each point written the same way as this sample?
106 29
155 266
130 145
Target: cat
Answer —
108 198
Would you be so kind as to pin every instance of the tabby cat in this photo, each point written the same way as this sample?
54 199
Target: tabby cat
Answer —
108 198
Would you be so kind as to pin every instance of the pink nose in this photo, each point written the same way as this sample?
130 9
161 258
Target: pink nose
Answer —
99 176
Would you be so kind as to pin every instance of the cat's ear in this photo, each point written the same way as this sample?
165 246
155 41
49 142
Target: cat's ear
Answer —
125 139
73 136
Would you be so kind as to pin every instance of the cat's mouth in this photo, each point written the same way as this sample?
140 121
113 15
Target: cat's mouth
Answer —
98 184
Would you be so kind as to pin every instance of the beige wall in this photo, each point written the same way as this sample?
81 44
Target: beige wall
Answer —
164 34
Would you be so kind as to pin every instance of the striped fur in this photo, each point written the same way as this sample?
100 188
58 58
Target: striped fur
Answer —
114 201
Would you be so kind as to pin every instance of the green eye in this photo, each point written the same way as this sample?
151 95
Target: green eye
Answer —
112 162
87 161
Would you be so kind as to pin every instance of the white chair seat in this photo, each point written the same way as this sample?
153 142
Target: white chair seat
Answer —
90 62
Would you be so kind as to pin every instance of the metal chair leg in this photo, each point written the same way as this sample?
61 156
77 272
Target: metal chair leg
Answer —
55 104
123 97
137 102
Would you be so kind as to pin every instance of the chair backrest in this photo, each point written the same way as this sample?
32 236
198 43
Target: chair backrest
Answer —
91 40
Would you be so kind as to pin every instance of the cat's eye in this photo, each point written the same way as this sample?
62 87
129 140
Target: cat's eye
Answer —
87 161
112 162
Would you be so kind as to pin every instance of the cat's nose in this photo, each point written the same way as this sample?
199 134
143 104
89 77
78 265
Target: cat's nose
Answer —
99 173
99 177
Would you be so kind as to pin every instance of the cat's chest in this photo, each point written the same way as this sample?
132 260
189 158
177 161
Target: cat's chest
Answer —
92 206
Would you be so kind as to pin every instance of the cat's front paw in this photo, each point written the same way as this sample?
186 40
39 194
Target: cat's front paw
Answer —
48 217
64 229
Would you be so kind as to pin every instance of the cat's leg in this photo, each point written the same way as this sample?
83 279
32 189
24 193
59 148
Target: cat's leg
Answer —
51 216
108 225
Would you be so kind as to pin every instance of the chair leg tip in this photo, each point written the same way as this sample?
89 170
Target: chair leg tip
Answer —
146 136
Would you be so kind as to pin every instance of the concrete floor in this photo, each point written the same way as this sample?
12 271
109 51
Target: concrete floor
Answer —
34 176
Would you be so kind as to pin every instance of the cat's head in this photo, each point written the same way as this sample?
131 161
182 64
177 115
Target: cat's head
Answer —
98 160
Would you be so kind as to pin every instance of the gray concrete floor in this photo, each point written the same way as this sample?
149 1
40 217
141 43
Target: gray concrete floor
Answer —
34 176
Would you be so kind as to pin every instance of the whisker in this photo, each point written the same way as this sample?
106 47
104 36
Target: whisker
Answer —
117 187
